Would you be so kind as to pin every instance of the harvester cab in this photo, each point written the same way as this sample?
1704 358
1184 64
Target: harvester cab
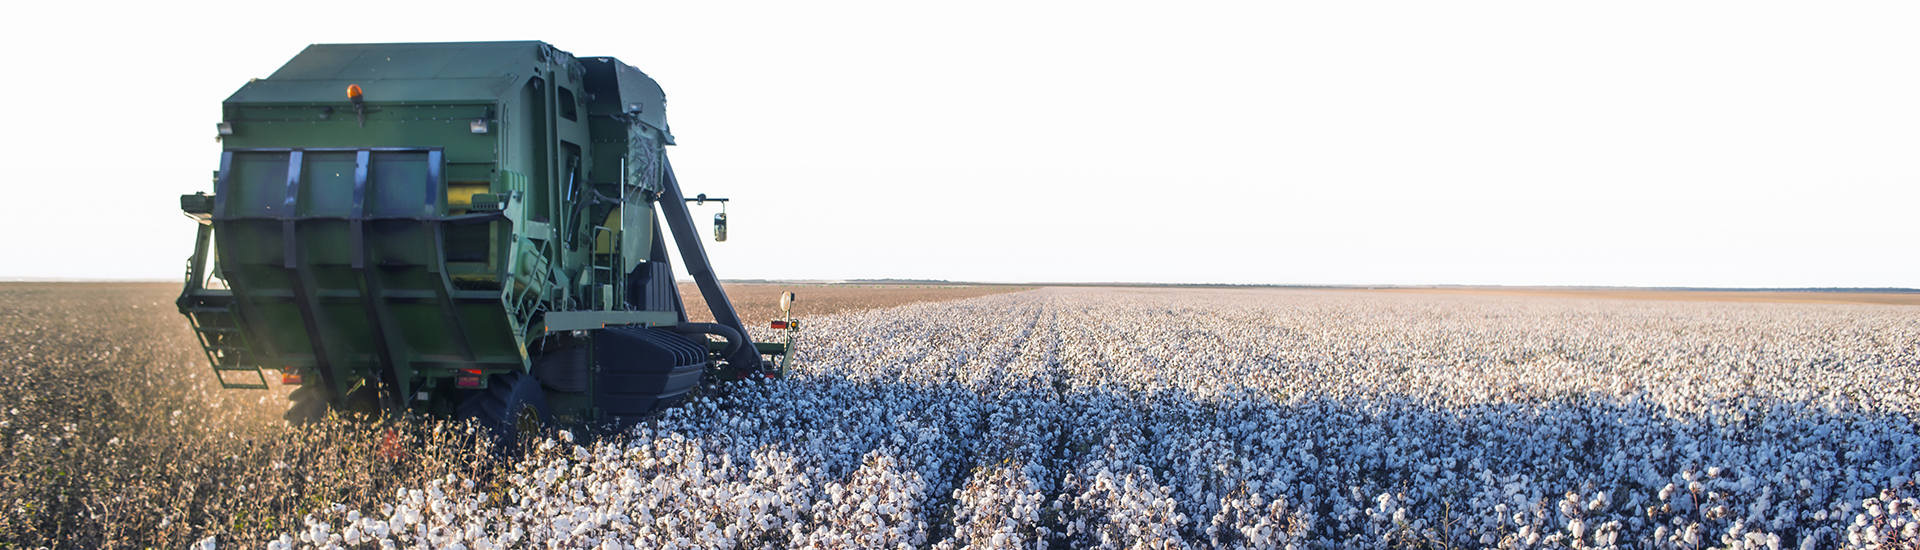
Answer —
481 239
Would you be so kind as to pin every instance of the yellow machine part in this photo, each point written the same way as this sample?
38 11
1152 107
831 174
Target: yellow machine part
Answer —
459 201
603 240
460 195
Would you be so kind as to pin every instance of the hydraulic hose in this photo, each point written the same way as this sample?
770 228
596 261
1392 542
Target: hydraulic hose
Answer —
734 341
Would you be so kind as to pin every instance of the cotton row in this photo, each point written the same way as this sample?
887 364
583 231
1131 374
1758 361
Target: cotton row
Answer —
1259 419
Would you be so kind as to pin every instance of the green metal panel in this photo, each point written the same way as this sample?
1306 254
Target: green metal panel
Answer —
445 126
415 60
586 320
442 72
430 226
328 188
398 90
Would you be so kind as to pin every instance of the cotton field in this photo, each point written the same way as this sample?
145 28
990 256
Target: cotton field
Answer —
1132 418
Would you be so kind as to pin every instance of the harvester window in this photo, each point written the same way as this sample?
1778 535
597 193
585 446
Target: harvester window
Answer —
534 134
569 107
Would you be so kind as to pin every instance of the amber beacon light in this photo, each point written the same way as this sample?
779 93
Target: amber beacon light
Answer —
359 109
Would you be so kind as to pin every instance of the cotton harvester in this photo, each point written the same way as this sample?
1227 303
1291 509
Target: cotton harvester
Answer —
465 230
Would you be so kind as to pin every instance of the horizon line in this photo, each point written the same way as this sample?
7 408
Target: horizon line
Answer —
1342 286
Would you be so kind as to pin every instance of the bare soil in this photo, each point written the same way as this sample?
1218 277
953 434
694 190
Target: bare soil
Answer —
1887 298
759 303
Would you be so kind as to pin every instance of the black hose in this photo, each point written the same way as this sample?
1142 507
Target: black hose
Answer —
734 341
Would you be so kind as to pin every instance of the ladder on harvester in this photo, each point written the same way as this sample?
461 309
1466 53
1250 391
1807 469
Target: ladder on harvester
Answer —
524 298
219 333
210 313
604 279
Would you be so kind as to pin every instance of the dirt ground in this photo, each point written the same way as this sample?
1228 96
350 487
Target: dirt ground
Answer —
759 303
1888 298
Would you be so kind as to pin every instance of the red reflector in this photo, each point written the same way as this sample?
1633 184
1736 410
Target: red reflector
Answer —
779 324
390 446
290 378
466 381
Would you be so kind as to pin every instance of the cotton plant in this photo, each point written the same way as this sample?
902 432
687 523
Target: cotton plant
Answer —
1102 418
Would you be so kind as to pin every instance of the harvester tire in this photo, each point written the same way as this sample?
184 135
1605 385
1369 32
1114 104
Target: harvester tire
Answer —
512 408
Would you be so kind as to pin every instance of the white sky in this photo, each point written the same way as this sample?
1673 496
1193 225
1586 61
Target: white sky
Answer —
1733 144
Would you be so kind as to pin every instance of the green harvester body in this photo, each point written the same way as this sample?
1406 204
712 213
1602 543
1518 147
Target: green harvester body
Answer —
403 226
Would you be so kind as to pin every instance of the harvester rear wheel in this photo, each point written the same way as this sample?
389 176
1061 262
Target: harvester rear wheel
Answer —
512 408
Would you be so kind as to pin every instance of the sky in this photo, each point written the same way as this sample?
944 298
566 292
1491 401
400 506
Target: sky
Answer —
1668 143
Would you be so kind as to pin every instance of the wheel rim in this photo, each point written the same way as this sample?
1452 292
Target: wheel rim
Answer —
526 425
527 420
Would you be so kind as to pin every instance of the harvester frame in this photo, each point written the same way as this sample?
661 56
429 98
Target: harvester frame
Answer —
489 214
